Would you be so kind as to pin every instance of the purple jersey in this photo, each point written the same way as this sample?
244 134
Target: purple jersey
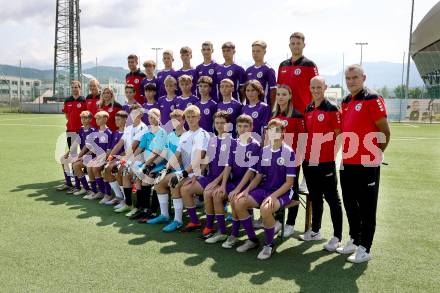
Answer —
266 76
82 135
260 114
275 166
146 81
182 103
233 108
235 73
243 157
161 76
191 72
211 71
218 153
207 111
116 137
99 142
166 106
127 107
148 107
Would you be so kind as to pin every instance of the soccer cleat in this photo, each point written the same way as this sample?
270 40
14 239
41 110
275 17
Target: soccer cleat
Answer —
288 231
80 192
63 187
137 215
132 212
105 199
123 209
332 244
310 236
191 227
119 205
360 255
266 252
208 231
217 237
72 190
173 226
89 195
112 202
97 195
248 245
159 220
230 242
257 224
349 248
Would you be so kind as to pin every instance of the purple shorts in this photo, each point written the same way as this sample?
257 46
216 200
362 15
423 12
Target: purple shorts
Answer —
230 186
260 194
204 181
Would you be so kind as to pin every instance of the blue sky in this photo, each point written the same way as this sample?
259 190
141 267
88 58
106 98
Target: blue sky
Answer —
112 29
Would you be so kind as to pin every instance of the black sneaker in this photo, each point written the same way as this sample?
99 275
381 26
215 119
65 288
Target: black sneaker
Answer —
139 214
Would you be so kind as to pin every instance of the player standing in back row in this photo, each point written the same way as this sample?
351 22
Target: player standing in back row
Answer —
135 77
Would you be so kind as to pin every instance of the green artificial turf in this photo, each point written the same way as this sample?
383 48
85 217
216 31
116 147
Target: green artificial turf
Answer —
54 242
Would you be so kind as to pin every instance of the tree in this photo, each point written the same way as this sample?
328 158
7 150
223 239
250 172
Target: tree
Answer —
384 92
399 91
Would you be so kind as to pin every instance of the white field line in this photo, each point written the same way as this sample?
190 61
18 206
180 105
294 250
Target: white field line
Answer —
24 119
414 138
411 125
32 125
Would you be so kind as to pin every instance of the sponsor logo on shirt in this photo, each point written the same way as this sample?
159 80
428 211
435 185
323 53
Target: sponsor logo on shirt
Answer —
321 117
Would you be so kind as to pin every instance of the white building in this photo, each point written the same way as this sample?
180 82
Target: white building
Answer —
10 86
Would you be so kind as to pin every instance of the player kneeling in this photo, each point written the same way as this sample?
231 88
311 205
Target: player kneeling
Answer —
271 189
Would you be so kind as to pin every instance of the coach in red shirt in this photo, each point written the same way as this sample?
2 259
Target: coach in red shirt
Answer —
135 77
323 125
72 108
296 72
366 134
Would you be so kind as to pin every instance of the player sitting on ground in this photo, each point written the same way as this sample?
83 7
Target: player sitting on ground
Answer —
218 155
111 172
268 190
162 187
244 155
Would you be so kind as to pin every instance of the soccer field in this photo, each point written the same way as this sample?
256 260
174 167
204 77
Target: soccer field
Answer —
54 242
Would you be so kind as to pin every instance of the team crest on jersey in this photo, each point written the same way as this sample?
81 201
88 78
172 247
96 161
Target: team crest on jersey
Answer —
136 81
229 111
297 71
211 71
254 114
223 148
229 73
78 106
110 110
321 117
285 123
260 74
358 107
280 161
206 111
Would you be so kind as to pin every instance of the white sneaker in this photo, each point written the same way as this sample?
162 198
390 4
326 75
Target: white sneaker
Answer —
217 237
80 192
132 212
349 248
310 236
332 244
230 242
288 231
257 224
105 199
266 252
278 227
72 190
248 245
98 195
360 255
119 205
89 195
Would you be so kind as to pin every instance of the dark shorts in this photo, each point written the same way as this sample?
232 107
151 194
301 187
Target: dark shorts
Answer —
260 194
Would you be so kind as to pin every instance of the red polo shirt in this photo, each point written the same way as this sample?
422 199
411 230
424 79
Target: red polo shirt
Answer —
73 108
134 78
321 121
111 109
359 114
92 106
297 76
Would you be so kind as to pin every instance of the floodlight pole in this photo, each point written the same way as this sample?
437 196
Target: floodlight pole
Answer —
409 50
157 57
362 44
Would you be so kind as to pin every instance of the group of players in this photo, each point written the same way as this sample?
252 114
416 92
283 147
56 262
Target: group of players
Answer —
232 140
